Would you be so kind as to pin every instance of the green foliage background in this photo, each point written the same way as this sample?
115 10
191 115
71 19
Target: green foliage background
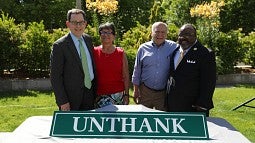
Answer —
28 29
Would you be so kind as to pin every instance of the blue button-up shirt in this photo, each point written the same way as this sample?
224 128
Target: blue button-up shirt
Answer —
152 64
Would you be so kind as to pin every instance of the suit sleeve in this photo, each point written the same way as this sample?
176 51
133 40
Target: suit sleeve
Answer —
207 81
57 65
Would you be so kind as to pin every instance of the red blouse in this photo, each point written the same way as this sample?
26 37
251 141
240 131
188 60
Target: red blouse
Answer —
109 71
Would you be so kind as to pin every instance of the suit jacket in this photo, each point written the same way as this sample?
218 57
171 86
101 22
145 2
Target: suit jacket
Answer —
195 76
67 76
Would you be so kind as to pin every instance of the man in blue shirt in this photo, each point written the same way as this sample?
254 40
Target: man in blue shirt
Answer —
151 68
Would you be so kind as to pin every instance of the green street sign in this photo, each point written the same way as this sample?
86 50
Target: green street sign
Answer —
136 125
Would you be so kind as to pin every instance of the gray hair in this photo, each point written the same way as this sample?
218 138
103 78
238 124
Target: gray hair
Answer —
154 25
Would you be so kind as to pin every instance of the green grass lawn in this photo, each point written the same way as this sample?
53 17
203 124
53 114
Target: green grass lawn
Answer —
15 107
243 119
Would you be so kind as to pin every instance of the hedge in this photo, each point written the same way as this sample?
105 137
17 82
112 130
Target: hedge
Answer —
28 48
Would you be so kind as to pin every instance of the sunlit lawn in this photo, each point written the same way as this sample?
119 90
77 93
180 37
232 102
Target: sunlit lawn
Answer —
243 119
15 107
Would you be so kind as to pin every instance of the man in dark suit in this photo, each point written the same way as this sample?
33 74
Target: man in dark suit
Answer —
192 79
67 70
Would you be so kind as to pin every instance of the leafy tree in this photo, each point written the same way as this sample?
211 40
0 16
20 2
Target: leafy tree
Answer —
178 11
173 31
10 7
101 11
10 39
129 12
207 21
248 43
157 12
36 49
134 37
229 51
132 11
58 33
52 12
93 32
238 14
103 7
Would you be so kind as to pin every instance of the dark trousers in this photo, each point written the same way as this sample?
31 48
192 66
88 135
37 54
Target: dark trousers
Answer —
182 104
87 101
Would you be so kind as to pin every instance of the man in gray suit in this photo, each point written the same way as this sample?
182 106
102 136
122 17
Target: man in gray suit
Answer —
67 70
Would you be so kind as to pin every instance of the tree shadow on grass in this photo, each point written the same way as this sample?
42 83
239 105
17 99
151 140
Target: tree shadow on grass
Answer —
16 94
245 85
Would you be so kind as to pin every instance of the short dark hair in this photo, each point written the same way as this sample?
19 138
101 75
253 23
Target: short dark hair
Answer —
107 25
191 26
75 11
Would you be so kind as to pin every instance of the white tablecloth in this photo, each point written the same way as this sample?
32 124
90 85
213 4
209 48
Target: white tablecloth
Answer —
36 129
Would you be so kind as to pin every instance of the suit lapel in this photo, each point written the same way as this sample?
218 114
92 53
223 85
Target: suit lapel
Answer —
189 54
191 50
188 57
172 66
73 50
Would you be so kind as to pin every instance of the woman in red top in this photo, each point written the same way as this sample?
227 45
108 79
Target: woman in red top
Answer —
112 70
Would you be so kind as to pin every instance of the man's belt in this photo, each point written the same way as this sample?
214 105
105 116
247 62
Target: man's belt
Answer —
155 90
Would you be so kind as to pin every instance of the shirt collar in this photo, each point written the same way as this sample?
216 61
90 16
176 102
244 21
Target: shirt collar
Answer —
188 48
162 44
74 37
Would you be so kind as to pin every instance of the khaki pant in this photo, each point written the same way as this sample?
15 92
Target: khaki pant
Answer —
152 99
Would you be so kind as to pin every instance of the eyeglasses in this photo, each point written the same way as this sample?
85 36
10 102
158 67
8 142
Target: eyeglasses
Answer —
76 23
105 33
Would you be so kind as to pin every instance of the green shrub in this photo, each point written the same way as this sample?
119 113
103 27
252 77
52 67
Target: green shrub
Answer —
10 39
93 32
58 33
131 55
28 49
173 31
228 51
35 51
134 37
248 43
